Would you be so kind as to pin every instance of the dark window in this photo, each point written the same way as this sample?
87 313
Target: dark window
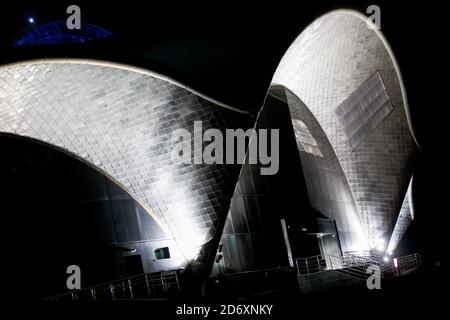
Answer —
162 253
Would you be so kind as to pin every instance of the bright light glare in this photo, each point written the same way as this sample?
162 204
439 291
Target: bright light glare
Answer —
380 244
395 262
190 237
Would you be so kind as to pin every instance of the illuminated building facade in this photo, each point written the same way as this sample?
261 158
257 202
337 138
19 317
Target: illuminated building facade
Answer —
349 116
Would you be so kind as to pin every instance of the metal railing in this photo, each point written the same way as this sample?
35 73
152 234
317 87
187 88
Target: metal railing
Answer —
357 266
372 257
403 265
357 263
142 286
311 264
409 262
334 262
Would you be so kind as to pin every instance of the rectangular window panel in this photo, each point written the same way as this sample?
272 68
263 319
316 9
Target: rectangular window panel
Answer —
162 253
305 141
364 110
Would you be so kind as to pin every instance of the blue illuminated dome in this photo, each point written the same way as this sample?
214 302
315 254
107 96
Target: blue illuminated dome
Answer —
56 32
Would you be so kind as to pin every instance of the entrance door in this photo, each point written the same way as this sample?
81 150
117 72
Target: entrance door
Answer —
330 250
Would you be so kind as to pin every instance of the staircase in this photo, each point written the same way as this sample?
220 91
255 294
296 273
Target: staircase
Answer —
318 272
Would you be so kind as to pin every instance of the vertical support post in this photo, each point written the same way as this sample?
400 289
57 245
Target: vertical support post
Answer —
287 243
111 290
163 283
419 260
124 289
177 279
93 295
130 287
148 286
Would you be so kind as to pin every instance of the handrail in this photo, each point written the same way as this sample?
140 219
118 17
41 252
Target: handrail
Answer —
234 274
310 265
403 265
355 263
148 284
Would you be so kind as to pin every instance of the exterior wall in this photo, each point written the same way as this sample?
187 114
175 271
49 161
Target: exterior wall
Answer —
252 237
404 219
329 61
61 211
121 122
328 188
